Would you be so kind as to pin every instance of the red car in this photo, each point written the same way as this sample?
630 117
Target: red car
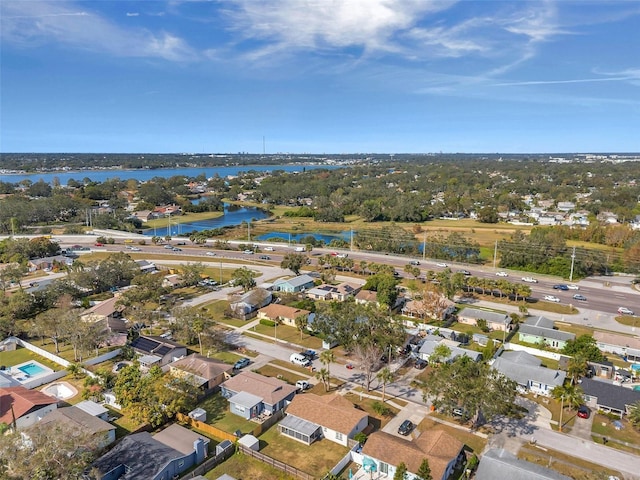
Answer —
583 411
98 244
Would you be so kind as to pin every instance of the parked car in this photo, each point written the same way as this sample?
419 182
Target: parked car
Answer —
310 354
625 311
551 298
299 359
406 427
583 411
441 264
420 363
582 298
529 280
414 262
243 362
302 385
210 254
459 412
561 286
502 274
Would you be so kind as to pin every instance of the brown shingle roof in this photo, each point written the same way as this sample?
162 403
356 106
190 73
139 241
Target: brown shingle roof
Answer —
202 366
436 446
22 400
274 311
271 390
78 418
331 411
367 296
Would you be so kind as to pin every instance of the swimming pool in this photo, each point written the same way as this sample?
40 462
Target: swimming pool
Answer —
60 390
31 369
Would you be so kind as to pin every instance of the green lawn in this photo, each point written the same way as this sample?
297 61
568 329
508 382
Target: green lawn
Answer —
366 404
603 427
315 459
474 442
284 333
21 355
284 375
218 415
573 467
244 467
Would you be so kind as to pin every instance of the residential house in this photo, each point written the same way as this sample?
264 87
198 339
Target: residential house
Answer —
206 373
432 341
364 297
495 320
626 346
607 396
607 217
282 314
527 371
94 409
82 421
251 394
144 215
159 351
383 452
499 463
49 263
566 206
109 313
246 305
538 330
294 285
435 307
173 280
146 267
167 211
338 293
24 407
311 417
163 456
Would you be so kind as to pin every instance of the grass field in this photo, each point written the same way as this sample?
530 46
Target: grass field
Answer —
573 467
162 223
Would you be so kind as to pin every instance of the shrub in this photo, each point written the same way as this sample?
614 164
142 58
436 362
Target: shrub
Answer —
360 437
381 409
268 323
142 242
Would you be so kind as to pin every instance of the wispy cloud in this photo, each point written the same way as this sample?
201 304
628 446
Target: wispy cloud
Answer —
559 82
133 14
34 23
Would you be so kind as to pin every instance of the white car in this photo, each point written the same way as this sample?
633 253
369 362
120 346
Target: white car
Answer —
211 254
573 286
529 280
135 249
443 265
248 252
551 298
502 274
269 249
625 311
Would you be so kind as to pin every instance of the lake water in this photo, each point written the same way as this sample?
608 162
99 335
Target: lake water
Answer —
233 215
296 237
142 175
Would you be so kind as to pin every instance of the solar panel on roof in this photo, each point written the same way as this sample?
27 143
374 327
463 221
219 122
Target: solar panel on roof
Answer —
144 344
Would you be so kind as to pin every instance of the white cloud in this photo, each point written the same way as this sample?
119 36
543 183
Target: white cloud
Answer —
132 14
35 22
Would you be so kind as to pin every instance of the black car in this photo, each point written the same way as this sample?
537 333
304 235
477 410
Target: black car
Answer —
406 427
309 354
265 257
420 363
561 286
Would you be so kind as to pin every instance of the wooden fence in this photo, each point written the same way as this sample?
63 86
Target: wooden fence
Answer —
206 428
210 463
288 469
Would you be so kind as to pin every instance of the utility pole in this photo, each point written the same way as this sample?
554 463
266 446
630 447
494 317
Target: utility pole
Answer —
495 254
351 248
249 231
424 245
573 259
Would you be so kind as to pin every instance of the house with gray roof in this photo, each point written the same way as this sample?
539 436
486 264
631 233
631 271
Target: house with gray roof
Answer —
141 456
626 346
251 394
294 285
80 420
495 320
247 305
527 371
432 341
606 395
536 330
499 463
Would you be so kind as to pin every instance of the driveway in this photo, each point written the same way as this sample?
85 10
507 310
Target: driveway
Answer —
581 426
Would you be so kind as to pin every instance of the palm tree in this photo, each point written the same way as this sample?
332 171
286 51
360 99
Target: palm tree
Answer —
572 394
577 366
327 358
385 376
323 376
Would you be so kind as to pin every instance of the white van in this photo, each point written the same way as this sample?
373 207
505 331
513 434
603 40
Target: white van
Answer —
299 359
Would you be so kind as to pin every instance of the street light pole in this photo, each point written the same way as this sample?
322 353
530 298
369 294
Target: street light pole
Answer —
561 409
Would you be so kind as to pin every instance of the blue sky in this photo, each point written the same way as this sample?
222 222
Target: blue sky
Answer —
319 76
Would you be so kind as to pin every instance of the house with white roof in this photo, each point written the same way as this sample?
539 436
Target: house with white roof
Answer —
527 371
